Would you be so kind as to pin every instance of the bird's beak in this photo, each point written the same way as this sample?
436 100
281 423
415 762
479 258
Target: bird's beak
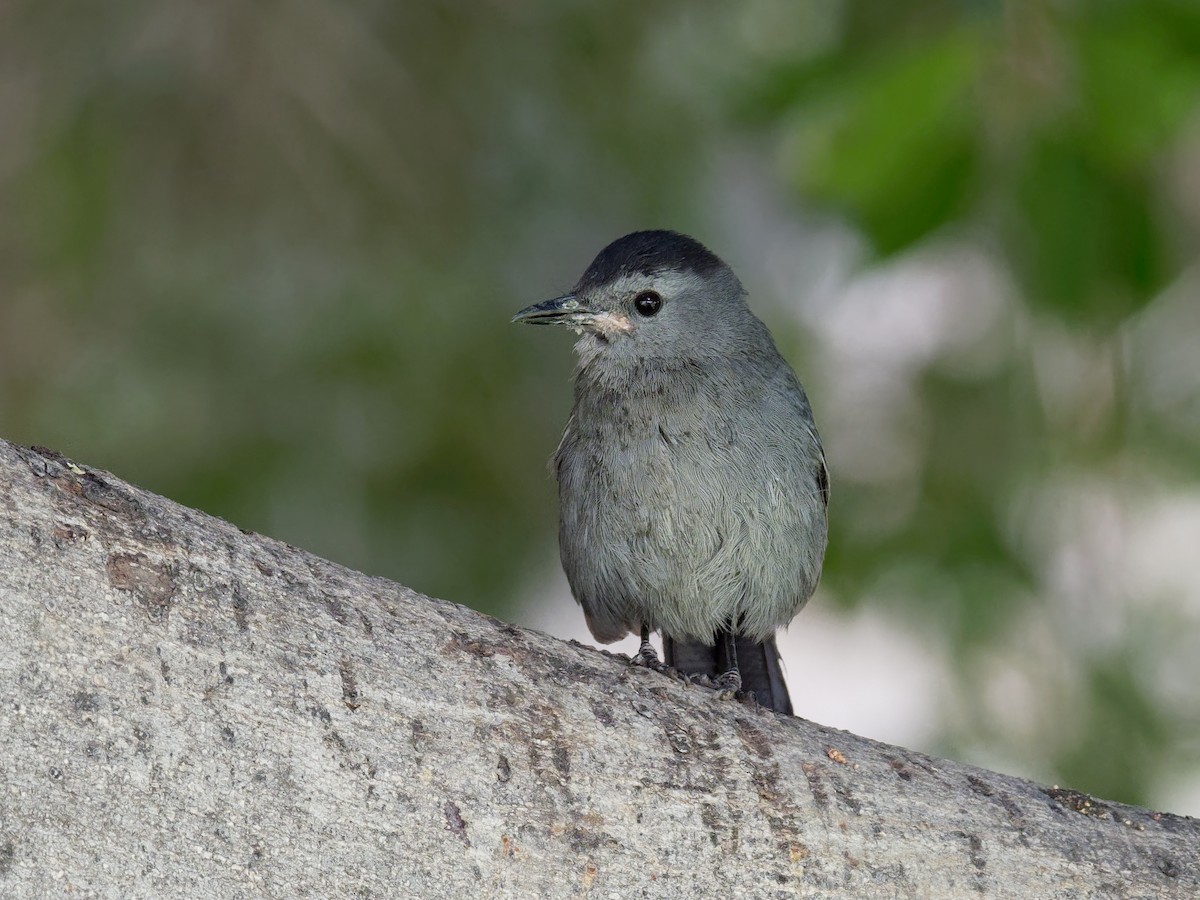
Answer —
565 310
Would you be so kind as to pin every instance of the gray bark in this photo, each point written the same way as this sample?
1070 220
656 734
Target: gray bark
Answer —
188 710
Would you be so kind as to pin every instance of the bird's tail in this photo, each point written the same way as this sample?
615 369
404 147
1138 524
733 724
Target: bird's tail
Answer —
758 664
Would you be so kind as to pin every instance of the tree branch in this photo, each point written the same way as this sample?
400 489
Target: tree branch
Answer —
191 710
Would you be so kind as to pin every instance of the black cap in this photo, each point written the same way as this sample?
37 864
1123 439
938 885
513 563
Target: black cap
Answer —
647 252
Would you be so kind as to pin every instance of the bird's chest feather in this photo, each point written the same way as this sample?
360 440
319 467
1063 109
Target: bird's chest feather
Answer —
653 451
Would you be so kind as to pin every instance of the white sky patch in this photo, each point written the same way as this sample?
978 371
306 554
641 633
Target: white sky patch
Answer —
921 307
864 672
1179 794
1109 550
1161 346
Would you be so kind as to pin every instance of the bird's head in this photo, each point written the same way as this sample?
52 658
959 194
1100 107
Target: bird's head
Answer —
652 294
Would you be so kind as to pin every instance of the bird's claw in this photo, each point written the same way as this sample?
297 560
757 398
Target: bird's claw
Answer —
727 687
675 674
647 658
731 683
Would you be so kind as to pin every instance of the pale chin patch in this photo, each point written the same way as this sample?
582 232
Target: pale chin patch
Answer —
609 324
598 333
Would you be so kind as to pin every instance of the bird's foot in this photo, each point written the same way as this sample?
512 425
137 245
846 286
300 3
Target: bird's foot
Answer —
647 658
675 674
727 686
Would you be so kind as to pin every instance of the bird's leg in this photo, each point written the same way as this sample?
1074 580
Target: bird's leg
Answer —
646 655
729 681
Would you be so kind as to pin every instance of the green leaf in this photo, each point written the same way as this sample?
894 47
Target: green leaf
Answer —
1085 242
1140 81
897 150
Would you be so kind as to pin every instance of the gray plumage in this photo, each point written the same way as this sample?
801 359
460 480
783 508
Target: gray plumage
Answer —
692 481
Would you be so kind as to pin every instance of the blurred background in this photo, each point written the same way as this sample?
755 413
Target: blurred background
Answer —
261 258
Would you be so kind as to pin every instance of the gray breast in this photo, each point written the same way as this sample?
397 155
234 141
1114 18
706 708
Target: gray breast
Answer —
688 501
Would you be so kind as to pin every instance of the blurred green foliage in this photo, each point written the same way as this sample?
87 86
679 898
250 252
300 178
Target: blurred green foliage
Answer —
261 258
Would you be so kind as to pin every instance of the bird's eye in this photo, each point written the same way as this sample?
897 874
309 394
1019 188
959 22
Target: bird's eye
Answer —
647 303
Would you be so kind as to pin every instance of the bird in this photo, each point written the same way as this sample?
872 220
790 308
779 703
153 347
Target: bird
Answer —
693 488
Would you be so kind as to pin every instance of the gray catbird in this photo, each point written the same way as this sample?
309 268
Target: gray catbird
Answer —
692 483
